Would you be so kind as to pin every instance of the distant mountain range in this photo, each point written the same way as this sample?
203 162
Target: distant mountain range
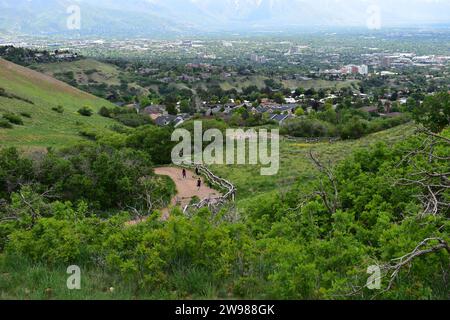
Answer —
178 17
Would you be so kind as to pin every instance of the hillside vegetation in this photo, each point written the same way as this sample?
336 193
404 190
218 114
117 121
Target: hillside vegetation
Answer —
296 166
283 245
84 71
312 232
50 108
242 82
96 77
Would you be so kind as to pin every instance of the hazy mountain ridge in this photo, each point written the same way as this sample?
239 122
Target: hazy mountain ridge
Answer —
151 17
50 17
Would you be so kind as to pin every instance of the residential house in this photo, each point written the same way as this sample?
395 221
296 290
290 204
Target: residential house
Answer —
280 118
370 109
290 100
155 111
213 110
166 120
279 109
134 106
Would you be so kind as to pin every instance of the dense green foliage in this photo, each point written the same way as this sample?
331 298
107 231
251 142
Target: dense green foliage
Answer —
280 249
51 106
102 176
345 122
86 111
5 124
309 128
435 112
155 141
128 117
314 241
13 118
58 109
26 56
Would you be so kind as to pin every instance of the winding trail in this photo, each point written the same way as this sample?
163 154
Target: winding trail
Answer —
186 189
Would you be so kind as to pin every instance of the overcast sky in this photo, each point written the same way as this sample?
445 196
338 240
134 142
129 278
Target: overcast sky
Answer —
221 15
332 12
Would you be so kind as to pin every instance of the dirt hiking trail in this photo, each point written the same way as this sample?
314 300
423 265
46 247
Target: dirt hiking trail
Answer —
186 188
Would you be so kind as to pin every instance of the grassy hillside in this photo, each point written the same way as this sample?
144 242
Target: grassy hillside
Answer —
92 76
243 82
35 94
296 165
85 71
101 78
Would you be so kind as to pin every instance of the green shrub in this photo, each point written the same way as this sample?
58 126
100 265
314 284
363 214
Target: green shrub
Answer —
155 141
91 135
14 169
90 72
194 200
58 109
133 120
25 114
308 128
120 129
127 117
434 113
105 177
105 112
86 111
51 241
13 118
354 129
5 124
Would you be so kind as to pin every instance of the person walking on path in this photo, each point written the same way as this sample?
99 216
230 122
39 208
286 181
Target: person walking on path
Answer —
184 174
197 173
199 183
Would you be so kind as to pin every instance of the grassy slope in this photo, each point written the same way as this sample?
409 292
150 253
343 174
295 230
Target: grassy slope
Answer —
20 279
105 73
45 128
295 163
110 75
243 82
319 84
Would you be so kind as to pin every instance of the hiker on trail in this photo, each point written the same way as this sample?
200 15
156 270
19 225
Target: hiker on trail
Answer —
199 183
184 174
196 171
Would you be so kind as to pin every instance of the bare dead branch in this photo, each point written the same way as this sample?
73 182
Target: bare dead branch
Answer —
432 134
332 205
392 270
418 251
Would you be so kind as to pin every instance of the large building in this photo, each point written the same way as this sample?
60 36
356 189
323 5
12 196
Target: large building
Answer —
353 69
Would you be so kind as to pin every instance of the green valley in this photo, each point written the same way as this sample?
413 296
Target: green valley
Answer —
91 189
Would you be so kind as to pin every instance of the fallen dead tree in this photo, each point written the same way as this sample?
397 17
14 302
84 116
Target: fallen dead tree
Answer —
213 203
